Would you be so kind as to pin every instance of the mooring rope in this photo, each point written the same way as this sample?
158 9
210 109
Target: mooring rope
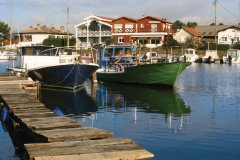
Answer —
63 78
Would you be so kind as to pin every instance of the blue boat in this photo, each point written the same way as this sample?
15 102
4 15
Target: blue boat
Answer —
68 76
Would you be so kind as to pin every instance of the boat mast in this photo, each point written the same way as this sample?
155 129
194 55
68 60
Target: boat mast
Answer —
68 27
239 15
10 36
215 21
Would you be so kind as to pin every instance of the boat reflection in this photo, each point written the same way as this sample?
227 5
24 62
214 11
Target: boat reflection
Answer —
156 102
64 102
150 99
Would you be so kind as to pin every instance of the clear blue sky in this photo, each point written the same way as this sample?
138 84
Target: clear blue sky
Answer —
53 12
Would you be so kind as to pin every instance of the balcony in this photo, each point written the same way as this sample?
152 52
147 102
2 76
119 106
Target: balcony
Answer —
94 33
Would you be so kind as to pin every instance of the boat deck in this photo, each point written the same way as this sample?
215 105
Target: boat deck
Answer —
59 138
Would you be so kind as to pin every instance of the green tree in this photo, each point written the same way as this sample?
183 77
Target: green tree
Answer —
59 42
5 30
191 42
192 24
169 41
178 25
109 41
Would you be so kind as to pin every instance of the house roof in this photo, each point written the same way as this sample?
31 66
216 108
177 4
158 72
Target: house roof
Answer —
43 29
209 31
235 27
155 18
192 31
128 18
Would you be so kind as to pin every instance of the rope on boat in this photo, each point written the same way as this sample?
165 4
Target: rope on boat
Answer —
55 84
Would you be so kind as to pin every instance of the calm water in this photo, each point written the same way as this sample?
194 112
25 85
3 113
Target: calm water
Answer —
7 151
199 119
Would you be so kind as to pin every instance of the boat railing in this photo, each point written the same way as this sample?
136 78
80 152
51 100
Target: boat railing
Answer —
119 63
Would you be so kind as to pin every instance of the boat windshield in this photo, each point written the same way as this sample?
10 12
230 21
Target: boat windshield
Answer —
124 51
39 51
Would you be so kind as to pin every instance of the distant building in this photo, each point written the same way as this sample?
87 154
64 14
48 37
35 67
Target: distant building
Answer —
210 32
230 35
36 35
187 32
149 31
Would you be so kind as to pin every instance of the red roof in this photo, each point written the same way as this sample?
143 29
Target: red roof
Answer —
128 18
192 31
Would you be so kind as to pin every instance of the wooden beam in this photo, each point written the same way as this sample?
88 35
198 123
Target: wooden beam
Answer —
60 135
139 154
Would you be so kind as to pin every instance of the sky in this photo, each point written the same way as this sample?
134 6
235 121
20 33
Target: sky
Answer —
52 13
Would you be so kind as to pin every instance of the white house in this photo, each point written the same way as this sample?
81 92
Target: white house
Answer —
94 29
38 34
229 35
186 32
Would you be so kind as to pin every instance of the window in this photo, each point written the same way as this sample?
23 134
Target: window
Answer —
224 38
154 27
120 40
129 27
143 41
236 39
28 38
141 25
118 28
154 41
108 52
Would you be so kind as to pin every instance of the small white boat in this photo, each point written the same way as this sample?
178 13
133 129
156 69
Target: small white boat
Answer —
210 56
233 56
189 55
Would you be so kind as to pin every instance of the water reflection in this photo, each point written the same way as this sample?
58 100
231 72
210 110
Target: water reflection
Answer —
145 103
150 99
68 102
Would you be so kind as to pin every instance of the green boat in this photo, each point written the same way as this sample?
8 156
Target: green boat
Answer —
130 69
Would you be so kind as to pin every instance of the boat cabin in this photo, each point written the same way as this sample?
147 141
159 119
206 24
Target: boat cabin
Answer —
40 55
116 54
38 50
190 55
233 55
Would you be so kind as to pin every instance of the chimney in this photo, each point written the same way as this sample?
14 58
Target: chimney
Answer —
38 26
62 29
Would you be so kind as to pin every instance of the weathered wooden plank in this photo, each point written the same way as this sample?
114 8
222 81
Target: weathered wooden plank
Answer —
18 98
59 135
52 125
25 105
3 90
71 144
57 119
83 150
117 155
30 115
27 110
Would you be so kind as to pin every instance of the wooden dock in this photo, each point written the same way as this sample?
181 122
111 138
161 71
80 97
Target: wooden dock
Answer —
50 137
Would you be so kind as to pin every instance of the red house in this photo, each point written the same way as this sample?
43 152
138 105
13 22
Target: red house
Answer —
149 31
